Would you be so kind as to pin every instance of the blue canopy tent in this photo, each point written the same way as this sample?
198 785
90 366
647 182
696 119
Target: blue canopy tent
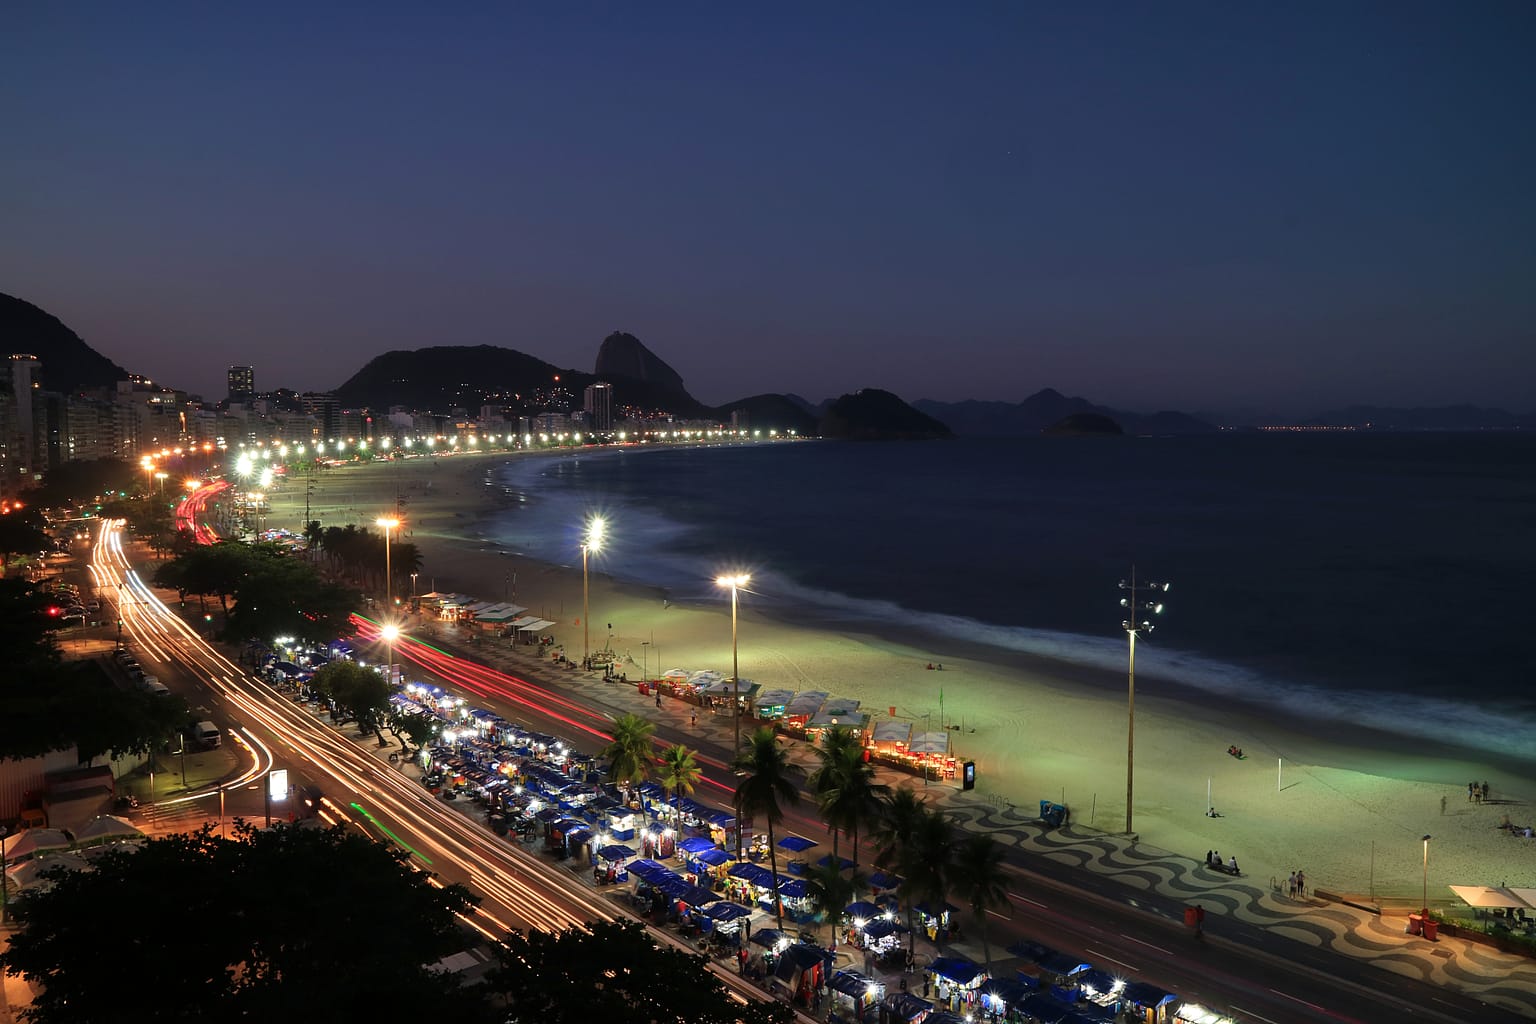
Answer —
851 983
616 852
768 938
904 1006
713 857
881 880
753 873
881 928
650 870
1147 998
999 995
863 909
956 969
1046 1009
726 911
696 844
843 863
797 844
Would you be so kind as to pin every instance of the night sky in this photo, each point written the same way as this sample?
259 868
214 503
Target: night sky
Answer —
1213 207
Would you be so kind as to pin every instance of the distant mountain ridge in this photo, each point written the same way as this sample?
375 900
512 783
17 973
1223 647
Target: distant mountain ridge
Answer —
1047 407
68 363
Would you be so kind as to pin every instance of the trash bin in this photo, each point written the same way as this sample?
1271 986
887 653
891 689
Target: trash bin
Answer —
1415 924
1191 916
1431 929
645 689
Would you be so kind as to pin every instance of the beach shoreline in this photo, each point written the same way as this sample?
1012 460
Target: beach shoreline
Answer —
1347 804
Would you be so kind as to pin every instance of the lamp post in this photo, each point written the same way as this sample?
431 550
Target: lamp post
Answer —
5 898
161 477
735 583
390 631
413 583
1135 605
1425 910
591 541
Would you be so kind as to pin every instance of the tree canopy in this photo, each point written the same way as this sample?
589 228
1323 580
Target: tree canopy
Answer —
285 923
613 971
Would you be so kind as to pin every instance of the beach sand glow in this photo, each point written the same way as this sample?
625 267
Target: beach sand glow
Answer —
1349 806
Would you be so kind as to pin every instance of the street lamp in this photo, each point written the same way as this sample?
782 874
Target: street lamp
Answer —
5 905
389 523
1135 605
735 583
592 541
1425 911
161 477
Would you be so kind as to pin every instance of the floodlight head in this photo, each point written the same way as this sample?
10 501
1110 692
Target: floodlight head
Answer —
733 582
596 528
387 522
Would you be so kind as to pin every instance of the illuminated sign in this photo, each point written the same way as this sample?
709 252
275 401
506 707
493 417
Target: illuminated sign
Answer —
277 784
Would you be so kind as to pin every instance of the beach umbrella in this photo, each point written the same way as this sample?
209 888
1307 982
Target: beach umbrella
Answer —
36 840
30 874
107 826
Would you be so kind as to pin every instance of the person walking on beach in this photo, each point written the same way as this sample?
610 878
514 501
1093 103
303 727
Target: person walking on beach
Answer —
693 720
1442 806
1301 884
1471 788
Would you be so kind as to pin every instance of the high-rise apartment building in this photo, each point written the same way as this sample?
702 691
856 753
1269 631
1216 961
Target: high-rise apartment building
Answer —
242 384
599 406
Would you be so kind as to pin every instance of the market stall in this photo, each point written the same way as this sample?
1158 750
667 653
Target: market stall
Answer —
855 996
770 704
1146 1004
906 1007
956 981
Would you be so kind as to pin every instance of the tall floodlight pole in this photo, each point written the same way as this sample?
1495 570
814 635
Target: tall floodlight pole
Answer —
735 583
390 631
591 541
1137 603
1425 910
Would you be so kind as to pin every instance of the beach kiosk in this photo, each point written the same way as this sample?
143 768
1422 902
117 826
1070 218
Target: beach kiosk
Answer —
805 705
891 736
906 1007
770 704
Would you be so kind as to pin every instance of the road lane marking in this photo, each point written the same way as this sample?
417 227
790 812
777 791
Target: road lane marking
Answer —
1250 1013
1122 963
1139 942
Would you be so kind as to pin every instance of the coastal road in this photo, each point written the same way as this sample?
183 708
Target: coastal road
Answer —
1236 967
516 890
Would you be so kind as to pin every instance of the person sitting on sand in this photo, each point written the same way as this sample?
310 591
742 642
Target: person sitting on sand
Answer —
1211 813
1232 865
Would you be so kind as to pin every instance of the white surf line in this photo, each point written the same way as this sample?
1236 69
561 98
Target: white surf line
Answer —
1250 1013
1139 942
1133 969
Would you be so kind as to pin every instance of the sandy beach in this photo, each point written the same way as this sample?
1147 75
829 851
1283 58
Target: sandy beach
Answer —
1346 805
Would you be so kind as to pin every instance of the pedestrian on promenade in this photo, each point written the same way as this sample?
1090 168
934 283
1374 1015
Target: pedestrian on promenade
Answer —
1291 886
1301 885
693 720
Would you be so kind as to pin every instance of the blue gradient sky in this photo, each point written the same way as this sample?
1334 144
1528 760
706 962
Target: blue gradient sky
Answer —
1205 206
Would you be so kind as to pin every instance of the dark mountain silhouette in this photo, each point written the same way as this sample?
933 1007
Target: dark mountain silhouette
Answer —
1084 424
69 364
777 411
623 355
875 415
1044 408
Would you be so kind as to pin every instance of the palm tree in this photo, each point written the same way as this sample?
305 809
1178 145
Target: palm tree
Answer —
900 813
902 839
979 881
678 774
926 864
826 782
765 789
856 802
631 753
829 891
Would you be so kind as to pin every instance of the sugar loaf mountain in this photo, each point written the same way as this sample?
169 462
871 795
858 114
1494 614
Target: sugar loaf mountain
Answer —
81 381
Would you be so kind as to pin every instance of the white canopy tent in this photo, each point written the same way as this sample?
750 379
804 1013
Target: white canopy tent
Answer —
1488 897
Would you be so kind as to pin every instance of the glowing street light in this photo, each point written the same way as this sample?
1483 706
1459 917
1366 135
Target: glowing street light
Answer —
735 583
1136 606
592 541
1425 910
388 523
160 476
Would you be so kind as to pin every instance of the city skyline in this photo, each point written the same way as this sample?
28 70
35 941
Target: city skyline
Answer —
1194 208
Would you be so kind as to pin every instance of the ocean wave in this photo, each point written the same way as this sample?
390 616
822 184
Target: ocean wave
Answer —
548 503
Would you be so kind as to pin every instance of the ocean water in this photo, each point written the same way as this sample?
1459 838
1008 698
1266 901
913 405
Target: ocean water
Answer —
1384 579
